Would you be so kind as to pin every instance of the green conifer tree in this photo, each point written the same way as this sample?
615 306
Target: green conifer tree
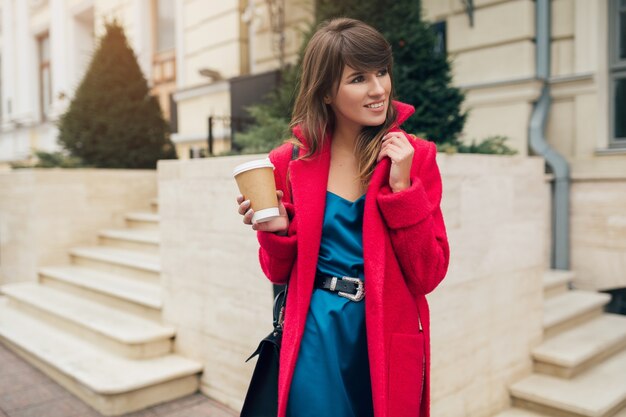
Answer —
113 121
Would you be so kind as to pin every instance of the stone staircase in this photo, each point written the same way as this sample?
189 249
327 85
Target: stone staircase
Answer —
580 368
95 325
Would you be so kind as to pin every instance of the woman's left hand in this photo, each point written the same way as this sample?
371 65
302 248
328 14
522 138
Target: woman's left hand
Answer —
397 147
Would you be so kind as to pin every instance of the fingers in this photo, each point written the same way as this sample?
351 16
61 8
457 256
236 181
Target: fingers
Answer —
386 147
391 141
396 137
277 224
243 207
247 217
247 212
381 154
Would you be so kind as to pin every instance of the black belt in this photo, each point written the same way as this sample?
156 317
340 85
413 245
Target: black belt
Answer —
349 287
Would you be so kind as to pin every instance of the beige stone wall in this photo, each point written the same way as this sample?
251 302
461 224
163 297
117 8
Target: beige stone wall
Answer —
45 212
497 218
598 232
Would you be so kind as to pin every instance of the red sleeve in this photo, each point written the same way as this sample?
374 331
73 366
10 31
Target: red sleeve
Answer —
416 225
278 253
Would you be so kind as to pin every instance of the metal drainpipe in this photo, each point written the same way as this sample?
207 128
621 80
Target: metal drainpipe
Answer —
560 253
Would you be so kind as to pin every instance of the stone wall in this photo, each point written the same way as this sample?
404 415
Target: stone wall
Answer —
486 315
598 232
45 212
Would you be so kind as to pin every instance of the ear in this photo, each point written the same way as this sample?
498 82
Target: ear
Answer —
327 100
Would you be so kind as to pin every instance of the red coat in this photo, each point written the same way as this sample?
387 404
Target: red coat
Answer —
405 251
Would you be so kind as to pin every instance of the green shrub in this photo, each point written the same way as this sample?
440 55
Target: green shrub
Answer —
491 145
52 160
113 121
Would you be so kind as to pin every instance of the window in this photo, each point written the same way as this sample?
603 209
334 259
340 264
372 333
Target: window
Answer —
45 78
164 24
617 73
440 37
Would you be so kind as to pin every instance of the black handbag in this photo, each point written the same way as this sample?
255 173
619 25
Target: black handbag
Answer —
262 396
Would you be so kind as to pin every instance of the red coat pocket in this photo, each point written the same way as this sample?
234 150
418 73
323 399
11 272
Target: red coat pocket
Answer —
406 374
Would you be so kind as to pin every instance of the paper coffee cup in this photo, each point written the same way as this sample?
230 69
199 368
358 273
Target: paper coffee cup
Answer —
255 180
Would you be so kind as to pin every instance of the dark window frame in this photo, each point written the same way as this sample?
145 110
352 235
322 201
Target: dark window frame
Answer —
440 30
617 68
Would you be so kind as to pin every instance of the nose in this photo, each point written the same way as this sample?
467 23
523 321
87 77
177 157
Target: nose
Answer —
377 89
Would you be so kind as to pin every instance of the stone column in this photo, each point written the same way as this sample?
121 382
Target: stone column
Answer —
8 64
143 36
26 105
59 46
180 45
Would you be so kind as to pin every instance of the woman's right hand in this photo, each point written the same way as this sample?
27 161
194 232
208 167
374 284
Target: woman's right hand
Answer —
279 225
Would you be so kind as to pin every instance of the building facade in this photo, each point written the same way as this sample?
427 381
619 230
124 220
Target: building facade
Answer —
45 50
191 53
227 54
493 47
206 61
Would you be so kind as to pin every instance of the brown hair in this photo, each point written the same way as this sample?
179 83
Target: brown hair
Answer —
335 44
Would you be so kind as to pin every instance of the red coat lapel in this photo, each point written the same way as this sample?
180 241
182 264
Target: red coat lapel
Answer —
374 257
309 180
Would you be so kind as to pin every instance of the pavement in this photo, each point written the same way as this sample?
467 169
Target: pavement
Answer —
27 392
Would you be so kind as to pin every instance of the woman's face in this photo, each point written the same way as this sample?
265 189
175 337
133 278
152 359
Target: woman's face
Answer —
356 94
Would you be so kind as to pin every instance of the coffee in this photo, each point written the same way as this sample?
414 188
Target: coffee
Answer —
256 182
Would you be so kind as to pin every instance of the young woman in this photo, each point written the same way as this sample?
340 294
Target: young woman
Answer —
360 210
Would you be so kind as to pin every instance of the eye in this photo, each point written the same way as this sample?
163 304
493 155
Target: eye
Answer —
357 79
383 71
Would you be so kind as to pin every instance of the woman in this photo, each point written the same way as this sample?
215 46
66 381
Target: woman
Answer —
366 206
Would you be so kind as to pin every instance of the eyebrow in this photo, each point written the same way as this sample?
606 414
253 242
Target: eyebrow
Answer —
355 73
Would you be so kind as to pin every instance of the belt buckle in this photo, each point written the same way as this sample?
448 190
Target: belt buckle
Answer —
360 291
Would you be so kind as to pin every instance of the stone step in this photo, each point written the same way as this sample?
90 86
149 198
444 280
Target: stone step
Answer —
131 295
598 392
576 350
118 331
111 384
518 412
143 220
125 262
555 281
143 240
571 308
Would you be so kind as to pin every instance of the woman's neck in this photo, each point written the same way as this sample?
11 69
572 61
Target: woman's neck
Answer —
344 137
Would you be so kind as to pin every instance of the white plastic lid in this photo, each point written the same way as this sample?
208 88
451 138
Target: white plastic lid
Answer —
265 214
257 163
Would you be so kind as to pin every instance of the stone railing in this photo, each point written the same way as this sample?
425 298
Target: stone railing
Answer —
486 315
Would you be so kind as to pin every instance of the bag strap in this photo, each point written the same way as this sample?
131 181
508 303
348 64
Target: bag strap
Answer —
280 299
294 155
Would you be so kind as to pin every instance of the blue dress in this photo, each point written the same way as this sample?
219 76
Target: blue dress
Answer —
331 377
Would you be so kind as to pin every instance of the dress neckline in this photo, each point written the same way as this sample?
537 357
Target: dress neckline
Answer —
345 199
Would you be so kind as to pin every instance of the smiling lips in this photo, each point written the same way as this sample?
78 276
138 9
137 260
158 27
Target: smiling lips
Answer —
378 106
